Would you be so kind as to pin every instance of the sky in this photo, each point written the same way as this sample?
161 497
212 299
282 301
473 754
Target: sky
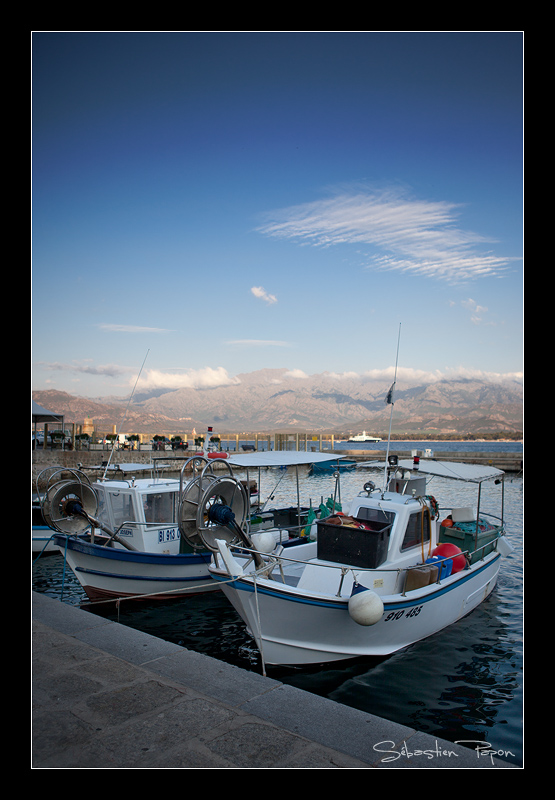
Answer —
207 204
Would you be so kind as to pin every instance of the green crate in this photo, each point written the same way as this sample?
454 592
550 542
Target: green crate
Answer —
467 541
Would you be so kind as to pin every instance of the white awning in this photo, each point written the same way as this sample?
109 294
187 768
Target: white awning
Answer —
473 473
125 467
279 458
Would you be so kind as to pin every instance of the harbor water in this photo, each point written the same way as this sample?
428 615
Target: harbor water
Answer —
462 684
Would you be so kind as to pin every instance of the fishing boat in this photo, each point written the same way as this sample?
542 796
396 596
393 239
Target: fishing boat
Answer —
129 536
395 569
41 534
364 437
119 534
333 465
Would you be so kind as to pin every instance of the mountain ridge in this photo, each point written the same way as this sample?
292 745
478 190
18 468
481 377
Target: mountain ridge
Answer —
276 401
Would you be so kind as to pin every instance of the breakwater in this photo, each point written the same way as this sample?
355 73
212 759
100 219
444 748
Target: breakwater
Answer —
508 462
74 459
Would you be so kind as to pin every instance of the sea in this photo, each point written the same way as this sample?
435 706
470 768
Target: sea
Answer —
464 684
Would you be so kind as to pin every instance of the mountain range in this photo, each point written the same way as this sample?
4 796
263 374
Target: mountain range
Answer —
273 400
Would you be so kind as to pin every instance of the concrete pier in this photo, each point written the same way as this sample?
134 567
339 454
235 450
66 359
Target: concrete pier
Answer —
108 697
508 462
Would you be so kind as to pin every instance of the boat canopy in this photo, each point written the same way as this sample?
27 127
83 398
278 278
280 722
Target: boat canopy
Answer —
271 458
124 467
472 473
279 458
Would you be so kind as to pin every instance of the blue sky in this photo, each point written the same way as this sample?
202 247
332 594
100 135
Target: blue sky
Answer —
212 203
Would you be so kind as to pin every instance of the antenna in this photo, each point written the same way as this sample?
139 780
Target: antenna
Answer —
125 415
390 399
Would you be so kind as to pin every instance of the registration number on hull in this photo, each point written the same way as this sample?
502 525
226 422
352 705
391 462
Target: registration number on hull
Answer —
406 613
169 535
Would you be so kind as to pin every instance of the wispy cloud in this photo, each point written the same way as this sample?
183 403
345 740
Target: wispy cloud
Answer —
204 378
476 311
409 235
114 328
106 370
260 292
413 377
259 343
213 377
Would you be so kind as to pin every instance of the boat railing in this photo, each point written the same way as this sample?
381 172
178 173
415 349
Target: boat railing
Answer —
444 509
145 526
277 559
107 536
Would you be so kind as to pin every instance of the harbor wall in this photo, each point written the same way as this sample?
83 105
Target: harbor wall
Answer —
508 462
72 459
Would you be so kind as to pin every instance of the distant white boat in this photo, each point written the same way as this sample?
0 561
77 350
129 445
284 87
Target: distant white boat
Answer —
364 437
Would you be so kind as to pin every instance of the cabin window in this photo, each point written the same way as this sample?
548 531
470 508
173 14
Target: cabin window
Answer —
418 530
122 508
102 511
160 508
376 515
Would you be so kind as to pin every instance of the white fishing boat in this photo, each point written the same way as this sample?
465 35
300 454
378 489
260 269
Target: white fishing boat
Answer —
128 536
396 569
364 437
119 534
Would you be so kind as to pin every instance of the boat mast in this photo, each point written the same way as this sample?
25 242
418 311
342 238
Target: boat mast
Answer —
125 416
389 399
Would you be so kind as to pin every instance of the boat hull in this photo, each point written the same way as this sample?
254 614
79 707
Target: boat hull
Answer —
329 467
41 542
295 628
109 573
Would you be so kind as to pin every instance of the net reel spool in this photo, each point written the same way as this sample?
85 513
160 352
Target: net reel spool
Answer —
201 526
67 504
187 514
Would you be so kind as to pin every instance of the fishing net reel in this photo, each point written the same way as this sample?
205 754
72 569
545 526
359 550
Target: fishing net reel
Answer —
67 503
213 508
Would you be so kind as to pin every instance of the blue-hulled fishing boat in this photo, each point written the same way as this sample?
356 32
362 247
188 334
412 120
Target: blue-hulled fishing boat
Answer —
331 466
128 536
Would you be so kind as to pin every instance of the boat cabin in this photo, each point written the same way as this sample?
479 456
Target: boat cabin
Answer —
387 528
143 512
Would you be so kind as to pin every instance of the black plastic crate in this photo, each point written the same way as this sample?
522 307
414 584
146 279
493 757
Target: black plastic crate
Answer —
289 517
358 547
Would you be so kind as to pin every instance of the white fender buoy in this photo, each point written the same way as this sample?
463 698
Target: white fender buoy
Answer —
263 542
365 606
504 546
